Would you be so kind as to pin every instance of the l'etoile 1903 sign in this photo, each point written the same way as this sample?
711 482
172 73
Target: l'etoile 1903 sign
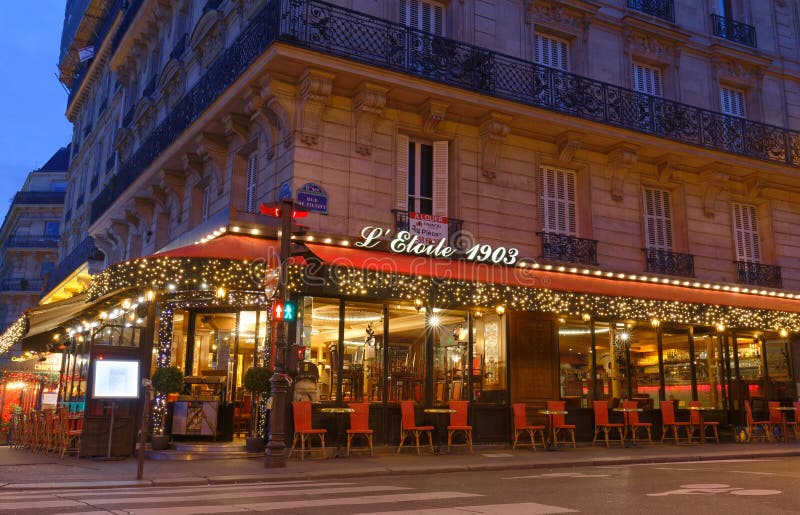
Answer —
406 243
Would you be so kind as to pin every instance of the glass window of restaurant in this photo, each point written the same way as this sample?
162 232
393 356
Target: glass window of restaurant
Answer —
708 365
489 359
575 351
74 375
751 365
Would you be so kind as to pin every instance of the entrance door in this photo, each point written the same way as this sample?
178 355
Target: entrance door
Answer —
534 358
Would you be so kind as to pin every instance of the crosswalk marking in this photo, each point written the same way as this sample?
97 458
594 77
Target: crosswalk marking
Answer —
189 489
524 508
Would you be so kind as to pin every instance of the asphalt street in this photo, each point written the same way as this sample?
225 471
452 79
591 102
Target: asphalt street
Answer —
757 486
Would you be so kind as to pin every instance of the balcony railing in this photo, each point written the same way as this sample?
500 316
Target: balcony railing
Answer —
128 117
669 263
30 242
151 86
733 30
455 237
560 247
85 251
39 197
32 285
110 162
664 9
759 274
93 183
366 39
180 47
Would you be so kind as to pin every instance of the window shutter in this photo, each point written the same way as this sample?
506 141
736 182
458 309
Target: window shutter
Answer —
252 183
745 228
401 174
558 206
422 15
732 102
550 51
440 182
647 79
658 219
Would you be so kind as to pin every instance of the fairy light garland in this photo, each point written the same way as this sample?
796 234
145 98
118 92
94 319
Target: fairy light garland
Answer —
14 333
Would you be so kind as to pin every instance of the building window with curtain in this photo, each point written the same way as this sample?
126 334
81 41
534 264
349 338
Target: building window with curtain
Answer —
421 176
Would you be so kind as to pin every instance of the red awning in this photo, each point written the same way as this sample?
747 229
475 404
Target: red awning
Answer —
530 278
230 246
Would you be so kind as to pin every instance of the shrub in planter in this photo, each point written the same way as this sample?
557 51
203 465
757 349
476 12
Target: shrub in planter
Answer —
166 380
256 381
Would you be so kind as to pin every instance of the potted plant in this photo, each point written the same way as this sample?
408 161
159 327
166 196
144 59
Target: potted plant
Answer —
165 381
256 381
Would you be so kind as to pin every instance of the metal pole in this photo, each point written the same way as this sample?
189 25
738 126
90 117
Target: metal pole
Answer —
143 431
280 382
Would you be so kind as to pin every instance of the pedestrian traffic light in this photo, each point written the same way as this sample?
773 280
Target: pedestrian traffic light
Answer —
289 311
277 310
297 354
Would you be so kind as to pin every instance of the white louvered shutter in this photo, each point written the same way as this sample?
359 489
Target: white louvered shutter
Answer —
252 183
557 201
732 102
658 219
422 15
401 174
647 79
745 233
550 51
440 184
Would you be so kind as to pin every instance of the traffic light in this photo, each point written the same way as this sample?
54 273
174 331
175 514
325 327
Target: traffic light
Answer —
275 211
277 310
297 354
289 311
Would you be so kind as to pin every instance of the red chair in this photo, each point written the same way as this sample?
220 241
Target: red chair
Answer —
301 412
633 424
521 426
458 423
694 421
669 423
408 426
71 441
792 424
753 424
559 421
359 425
601 423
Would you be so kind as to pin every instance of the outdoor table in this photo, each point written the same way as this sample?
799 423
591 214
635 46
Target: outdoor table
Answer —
701 413
626 423
784 412
551 427
340 436
439 425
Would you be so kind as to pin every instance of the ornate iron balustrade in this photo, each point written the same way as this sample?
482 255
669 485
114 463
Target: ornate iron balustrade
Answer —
32 285
366 39
32 242
85 251
93 184
110 162
664 9
128 117
669 263
759 274
151 86
560 247
180 47
39 197
455 237
733 30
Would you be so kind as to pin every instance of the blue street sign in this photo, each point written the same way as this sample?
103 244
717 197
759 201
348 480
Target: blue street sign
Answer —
285 191
312 197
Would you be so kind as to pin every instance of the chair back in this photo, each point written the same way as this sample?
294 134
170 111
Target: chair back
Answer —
558 420
407 414
301 412
774 413
520 417
359 419
749 413
459 418
694 415
631 417
667 413
600 409
796 405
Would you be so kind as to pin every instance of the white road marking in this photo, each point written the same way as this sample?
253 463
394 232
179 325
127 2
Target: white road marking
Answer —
558 475
39 505
523 508
754 473
188 489
497 455
714 488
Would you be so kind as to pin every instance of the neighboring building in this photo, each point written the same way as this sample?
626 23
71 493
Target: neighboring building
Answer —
628 169
29 238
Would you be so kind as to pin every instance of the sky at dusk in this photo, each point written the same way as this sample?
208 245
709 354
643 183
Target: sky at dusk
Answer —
32 101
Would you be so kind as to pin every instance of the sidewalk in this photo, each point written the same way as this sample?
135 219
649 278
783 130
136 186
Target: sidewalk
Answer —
23 470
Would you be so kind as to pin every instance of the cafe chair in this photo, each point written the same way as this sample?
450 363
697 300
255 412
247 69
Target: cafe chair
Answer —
694 421
634 425
559 421
301 412
359 425
408 427
776 418
459 423
73 431
521 426
601 423
752 425
669 423
792 424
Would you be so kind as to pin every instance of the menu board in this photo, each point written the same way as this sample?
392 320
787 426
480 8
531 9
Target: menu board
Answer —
115 379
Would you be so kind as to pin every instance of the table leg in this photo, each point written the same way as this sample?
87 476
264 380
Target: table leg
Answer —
783 426
702 418
339 437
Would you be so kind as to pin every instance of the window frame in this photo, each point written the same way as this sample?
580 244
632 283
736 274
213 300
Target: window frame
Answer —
566 207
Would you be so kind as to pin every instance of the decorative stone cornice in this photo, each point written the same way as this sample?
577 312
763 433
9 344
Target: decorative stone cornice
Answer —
494 130
193 165
666 167
621 160
174 182
715 178
213 146
754 186
313 92
567 143
145 208
237 124
433 113
368 105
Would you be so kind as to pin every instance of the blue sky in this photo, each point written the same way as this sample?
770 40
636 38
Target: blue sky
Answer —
32 101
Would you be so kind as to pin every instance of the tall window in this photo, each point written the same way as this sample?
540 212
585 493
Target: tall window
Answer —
551 51
252 183
421 176
647 79
745 233
206 202
52 229
422 15
732 101
657 219
557 201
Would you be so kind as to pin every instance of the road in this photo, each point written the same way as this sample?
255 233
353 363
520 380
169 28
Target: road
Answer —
712 487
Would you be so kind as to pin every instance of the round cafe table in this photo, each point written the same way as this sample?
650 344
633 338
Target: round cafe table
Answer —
551 427
440 423
701 413
785 410
339 411
626 423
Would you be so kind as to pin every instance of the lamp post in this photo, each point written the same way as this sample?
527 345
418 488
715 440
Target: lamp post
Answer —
280 381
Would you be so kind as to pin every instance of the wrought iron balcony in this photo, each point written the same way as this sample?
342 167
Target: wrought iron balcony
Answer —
455 237
664 9
180 47
32 285
341 32
32 242
93 184
560 247
151 86
759 274
110 162
85 251
128 118
39 197
733 30
211 4
669 263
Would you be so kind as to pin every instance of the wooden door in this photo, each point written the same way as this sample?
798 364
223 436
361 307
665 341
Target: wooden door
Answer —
533 358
